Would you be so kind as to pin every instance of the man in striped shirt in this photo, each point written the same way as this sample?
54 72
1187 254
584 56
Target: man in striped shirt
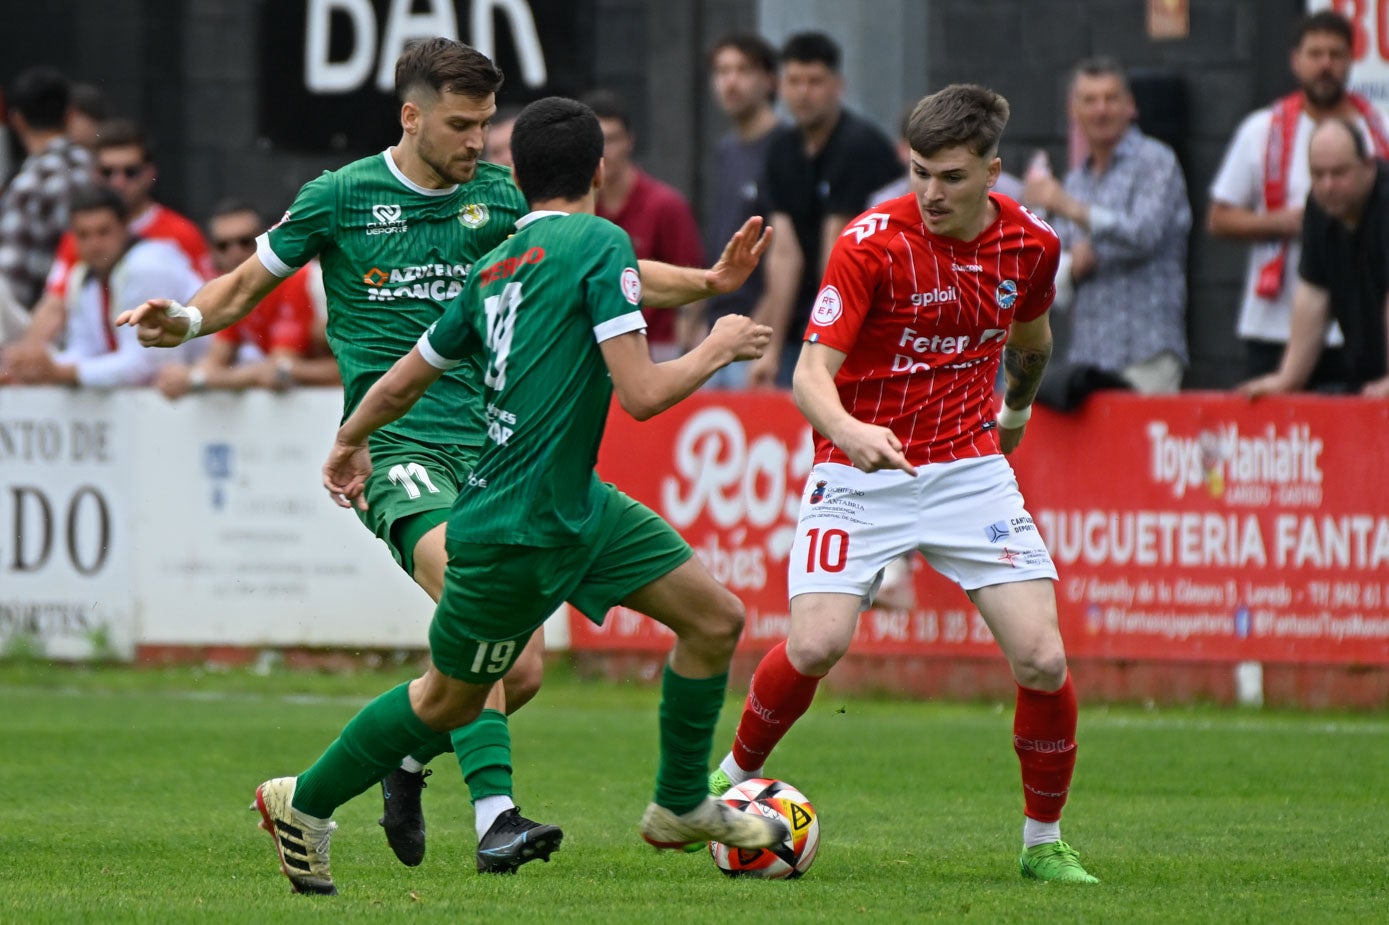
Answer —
921 297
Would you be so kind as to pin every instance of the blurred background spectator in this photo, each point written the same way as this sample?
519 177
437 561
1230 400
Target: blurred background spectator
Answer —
655 216
1123 218
819 174
124 164
1259 192
497 148
279 345
743 76
1343 274
34 206
115 271
89 108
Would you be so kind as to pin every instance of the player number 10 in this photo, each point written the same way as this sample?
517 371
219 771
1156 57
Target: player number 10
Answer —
829 551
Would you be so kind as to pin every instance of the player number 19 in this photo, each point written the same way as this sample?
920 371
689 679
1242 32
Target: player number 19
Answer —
493 657
828 551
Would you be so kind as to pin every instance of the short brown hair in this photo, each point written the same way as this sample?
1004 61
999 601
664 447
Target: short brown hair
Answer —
445 64
961 114
124 133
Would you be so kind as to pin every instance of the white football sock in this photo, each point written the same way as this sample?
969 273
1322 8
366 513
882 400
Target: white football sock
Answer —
735 773
1039 833
410 764
486 811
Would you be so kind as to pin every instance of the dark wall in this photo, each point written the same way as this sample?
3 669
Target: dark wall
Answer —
1234 61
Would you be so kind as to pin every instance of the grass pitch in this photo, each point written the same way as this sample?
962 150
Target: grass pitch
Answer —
126 794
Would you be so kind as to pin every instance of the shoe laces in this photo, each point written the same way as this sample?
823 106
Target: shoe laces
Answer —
511 820
1062 853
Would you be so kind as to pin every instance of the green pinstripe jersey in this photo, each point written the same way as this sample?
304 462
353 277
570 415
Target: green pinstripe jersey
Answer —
394 254
537 308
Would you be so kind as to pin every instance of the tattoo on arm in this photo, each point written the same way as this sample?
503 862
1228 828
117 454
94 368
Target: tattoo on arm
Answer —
1023 368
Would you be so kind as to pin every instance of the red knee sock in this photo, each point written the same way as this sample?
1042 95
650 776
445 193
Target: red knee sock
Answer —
779 695
1044 736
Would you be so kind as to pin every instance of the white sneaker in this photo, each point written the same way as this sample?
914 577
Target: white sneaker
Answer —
712 820
301 844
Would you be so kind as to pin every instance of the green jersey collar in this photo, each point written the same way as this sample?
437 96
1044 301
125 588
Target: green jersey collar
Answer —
411 184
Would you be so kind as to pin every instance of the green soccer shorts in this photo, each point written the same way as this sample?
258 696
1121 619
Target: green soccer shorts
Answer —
495 595
411 489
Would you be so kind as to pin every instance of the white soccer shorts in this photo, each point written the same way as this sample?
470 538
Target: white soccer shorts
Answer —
965 517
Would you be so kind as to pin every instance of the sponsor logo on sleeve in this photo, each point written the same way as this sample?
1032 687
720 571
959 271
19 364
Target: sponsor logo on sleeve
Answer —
631 285
828 306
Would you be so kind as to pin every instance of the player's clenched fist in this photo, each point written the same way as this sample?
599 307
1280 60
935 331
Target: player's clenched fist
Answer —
744 338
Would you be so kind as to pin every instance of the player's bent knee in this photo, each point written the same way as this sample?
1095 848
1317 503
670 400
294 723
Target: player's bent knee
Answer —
720 624
815 655
444 703
1042 669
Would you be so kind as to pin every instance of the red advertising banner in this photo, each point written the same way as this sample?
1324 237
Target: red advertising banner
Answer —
1201 527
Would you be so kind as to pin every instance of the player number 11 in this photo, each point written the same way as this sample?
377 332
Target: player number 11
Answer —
830 550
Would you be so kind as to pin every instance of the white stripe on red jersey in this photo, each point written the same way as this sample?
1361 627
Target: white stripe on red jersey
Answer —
922 320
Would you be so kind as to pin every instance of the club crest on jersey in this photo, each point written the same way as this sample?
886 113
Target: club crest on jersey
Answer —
1007 293
388 220
828 306
818 494
631 285
474 215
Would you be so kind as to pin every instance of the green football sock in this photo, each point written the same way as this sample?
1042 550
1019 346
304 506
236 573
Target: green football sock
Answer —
370 746
689 712
483 748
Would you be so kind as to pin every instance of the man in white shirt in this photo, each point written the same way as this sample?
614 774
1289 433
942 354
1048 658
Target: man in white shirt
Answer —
116 271
1259 192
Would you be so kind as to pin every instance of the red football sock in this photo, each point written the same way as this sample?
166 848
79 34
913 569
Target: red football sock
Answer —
1044 736
779 695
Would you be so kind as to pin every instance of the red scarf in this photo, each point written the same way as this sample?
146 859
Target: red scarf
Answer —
1278 158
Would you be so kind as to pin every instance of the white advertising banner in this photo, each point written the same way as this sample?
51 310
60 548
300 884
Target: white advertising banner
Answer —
129 520
238 543
1369 74
65 529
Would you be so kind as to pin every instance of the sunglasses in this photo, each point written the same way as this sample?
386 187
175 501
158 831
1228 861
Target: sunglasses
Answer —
130 171
225 244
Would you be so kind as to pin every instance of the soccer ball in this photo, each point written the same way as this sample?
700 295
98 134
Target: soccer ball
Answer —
792 857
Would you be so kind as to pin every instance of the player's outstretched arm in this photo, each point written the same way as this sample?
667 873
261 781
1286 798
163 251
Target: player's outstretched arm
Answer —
667 286
645 389
221 303
1025 359
870 447
349 462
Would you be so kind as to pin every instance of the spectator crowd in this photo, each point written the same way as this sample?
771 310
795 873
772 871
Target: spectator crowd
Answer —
83 236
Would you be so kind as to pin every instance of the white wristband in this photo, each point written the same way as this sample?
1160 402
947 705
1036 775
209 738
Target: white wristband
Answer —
194 316
1010 419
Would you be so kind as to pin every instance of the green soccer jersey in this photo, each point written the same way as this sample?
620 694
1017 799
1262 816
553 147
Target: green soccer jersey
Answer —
394 254
537 308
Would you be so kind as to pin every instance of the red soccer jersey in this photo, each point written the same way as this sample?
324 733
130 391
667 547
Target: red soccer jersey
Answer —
156 224
284 320
922 320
